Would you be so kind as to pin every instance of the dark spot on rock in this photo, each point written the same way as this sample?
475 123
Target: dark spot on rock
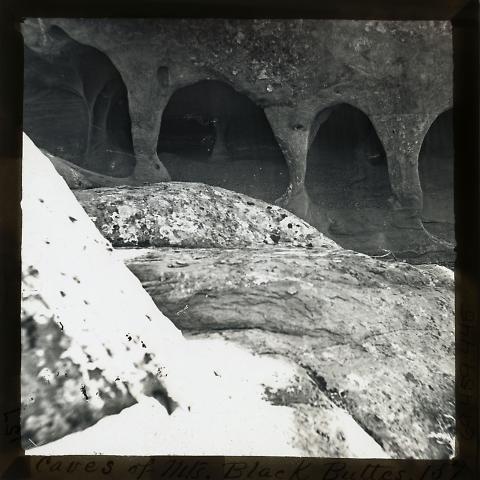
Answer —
409 377
290 225
148 316
109 352
310 245
47 242
157 166
147 358
83 389
33 271
41 200
62 293
143 345
129 337
275 237
117 379
269 207
216 374
76 279
72 219
86 302
250 203
283 215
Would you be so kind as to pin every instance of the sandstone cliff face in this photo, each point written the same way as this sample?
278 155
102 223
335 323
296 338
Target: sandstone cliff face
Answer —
397 74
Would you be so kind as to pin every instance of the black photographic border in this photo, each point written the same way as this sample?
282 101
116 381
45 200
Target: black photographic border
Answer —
464 15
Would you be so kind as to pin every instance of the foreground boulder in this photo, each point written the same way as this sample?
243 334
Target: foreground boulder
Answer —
102 366
376 337
193 215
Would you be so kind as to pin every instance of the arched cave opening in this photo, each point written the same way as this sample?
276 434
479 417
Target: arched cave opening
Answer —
76 106
212 134
435 168
347 176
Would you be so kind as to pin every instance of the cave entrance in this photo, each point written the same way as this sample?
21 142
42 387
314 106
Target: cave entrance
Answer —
212 134
76 106
347 176
435 168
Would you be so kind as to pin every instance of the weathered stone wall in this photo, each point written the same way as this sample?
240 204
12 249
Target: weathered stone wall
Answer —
398 73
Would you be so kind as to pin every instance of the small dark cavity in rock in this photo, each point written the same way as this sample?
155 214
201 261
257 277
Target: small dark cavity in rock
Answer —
62 293
72 219
83 389
275 237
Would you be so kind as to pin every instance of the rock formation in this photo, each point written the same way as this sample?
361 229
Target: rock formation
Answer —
193 215
94 345
300 72
377 337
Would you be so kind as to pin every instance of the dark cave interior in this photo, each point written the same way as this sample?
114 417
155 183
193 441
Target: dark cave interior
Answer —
347 174
213 134
435 167
76 107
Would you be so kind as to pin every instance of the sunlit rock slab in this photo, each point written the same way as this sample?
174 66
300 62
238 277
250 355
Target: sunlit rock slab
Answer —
376 336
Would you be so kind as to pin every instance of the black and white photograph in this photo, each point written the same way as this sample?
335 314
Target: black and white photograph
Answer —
238 238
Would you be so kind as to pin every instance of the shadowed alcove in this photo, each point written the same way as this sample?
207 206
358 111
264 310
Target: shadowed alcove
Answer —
76 106
435 167
347 174
212 134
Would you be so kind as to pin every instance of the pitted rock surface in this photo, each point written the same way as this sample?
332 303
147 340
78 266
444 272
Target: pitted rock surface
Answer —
193 215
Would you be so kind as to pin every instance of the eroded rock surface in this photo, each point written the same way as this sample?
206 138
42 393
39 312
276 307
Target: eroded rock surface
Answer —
193 215
376 337
102 366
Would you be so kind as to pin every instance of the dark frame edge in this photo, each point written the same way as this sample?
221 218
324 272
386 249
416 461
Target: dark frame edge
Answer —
13 463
